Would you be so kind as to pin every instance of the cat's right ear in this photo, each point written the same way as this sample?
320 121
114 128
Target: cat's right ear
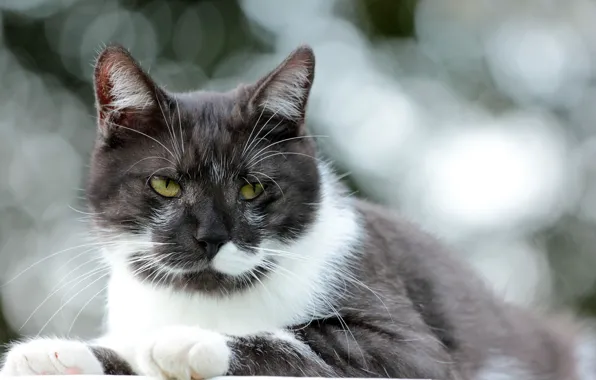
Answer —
124 93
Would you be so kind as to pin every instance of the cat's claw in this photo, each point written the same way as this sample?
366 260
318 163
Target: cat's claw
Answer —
184 353
50 357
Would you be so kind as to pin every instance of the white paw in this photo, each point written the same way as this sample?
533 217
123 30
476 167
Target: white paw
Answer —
50 357
184 353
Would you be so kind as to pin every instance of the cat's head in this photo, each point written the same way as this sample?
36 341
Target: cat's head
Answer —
198 189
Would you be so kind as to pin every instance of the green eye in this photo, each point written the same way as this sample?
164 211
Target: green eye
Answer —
251 191
165 187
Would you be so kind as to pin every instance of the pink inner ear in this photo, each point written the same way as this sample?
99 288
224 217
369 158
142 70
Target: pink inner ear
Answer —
103 88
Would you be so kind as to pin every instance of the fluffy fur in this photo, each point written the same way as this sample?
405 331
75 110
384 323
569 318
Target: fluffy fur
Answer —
302 280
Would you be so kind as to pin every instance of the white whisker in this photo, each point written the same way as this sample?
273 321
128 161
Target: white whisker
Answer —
180 125
149 137
170 129
69 300
285 153
83 308
149 158
251 147
80 279
257 155
248 141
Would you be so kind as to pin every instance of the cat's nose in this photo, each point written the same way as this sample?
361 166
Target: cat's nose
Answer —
211 244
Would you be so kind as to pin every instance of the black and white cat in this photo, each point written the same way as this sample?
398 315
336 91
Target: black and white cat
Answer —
235 250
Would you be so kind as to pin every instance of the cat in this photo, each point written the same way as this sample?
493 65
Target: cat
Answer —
234 249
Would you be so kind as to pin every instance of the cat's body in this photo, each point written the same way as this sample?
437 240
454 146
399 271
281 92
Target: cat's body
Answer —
288 277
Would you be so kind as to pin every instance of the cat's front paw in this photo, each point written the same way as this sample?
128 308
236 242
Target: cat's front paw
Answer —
184 353
50 357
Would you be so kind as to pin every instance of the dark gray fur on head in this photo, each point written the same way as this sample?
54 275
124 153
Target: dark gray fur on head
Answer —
211 144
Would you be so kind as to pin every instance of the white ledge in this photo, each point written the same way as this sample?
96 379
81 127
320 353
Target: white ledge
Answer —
104 377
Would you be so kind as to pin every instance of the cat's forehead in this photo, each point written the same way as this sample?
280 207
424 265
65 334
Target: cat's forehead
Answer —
209 109
215 129
209 118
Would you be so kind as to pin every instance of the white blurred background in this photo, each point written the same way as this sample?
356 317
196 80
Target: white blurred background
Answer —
476 119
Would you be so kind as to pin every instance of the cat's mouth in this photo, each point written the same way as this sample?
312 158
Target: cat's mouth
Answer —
230 260
235 269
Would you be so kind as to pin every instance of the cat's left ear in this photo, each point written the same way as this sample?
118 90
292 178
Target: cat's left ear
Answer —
125 95
284 91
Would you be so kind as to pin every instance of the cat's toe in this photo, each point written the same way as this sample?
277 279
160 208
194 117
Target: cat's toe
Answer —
184 353
50 357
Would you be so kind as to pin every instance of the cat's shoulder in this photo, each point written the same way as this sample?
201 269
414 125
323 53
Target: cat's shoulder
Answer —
395 240
383 222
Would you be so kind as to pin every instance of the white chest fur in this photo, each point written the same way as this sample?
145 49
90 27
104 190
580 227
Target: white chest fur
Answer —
139 307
